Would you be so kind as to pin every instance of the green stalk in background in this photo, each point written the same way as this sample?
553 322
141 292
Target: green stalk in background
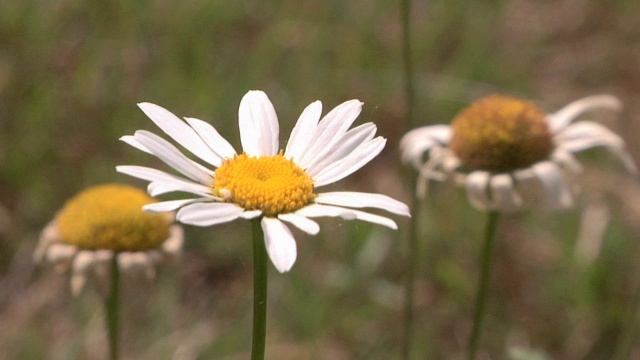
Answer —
259 293
112 309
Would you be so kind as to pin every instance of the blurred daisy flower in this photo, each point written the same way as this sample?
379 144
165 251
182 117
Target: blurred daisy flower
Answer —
102 222
263 181
509 154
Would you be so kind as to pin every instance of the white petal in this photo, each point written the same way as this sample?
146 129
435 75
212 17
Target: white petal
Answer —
158 188
359 200
212 138
129 139
416 142
259 129
280 244
319 210
163 182
330 129
172 156
182 133
251 214
503 193
172 247
560 119
343 147
557 192
136 262
171 205
351 163
303 131
477 185
206 214
307 225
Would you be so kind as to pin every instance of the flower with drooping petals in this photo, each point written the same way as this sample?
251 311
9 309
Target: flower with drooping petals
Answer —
263 181
106 221
506 151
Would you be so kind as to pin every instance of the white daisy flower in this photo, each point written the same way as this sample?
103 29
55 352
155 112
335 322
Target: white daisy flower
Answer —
264 181
102 222
508 154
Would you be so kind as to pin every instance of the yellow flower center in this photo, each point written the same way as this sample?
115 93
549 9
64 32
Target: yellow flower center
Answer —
501 133
110 217
271 184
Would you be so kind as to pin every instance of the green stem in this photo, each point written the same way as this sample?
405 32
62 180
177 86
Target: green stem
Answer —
112 309
630 329
259 293
483 286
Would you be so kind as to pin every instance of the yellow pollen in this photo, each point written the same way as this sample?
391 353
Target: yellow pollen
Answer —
111 217
271 184
500 134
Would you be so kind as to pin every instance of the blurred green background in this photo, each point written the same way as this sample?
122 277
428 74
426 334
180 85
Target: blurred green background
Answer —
71 73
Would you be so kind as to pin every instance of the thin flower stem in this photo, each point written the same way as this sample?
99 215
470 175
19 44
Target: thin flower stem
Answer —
483 286
412 243
259 293
112 309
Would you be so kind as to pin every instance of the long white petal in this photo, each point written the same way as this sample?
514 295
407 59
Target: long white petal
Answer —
206 214
259 129
171 205
561 118
319 210
347 144
477 185
504 194
182 133
303 131
330 129
129 139
212 138
305 224
351 163
172 156
156 188
557 192
167 180
360 200
280 244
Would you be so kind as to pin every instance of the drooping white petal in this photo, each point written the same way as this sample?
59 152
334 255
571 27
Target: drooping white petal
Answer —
329 130
206 214
477 185
557 192
170 205
259 129
172 156
136 262
319 210
343 147
182 133
563 117
416 142
587 134
360 200
280 244
212 138
303 131
305 224
350 163
504 194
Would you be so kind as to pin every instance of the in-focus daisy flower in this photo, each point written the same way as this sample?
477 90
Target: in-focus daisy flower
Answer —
264 181
509 154
105 221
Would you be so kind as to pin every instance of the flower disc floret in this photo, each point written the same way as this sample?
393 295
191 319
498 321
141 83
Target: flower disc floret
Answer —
110 217
500 134
271 184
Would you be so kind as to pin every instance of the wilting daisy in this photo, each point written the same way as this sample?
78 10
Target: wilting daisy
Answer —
263 180
102 222
509 154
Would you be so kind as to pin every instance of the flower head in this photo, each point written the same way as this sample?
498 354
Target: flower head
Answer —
102 222
264 181
506 151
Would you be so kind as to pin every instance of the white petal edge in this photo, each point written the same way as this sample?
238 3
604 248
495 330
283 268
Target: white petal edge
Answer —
477 185
182 133
259 129
161 177
170 205
504 194
207 214
212 138
280 244
351 163
302 133
563 117
130 140
319 210
416 142
360 200
557 192
305 224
